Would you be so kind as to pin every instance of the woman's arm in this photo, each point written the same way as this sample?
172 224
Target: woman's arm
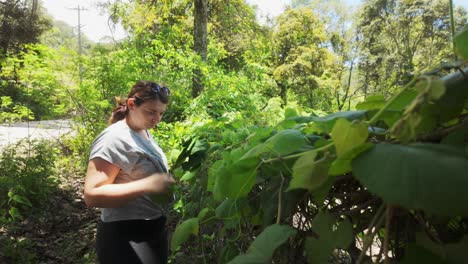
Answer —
100 190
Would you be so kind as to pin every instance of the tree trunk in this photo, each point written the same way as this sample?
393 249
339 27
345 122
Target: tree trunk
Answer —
200 42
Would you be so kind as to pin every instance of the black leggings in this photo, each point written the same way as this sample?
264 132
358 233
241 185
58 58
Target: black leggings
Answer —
132 242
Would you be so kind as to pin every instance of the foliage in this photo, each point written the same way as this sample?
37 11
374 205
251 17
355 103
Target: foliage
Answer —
268 170
301 61
22 23
283 174
392 51
31 80
27 177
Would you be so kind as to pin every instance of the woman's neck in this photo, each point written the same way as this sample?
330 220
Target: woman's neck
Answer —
140 131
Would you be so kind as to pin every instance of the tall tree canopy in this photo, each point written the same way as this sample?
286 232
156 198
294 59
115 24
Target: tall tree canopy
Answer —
301 59
399 38
21 23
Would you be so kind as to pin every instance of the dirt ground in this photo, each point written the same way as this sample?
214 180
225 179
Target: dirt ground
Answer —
61 232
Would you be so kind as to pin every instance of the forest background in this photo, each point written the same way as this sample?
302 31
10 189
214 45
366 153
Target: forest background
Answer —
325 135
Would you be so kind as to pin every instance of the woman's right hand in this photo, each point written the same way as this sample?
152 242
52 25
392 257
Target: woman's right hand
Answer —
161 183
163 191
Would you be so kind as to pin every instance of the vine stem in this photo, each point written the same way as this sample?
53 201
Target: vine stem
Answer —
280 199
452 28
376 222
387 105
388 220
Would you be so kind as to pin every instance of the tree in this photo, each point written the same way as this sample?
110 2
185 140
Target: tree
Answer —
200 41
301 59
21 23
400 38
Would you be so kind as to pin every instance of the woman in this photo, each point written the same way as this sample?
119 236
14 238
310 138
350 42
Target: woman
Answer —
126 167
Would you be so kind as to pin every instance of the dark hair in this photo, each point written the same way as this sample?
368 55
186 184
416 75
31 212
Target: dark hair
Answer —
142 91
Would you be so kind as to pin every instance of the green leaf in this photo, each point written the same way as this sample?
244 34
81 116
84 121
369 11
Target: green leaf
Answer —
371 102
235 180
183 232
431 177
286 142
418 254
347 135
228 209
342 164
330 236
461 43
308 173
188 175
325 124
203 213
437 89
263 247
283 143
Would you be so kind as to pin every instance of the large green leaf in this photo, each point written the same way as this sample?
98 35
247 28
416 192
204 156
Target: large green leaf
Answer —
263 247
347 135
235 180
308 173
372 102
183 232
418 254
229 209
342 164
325 124
432 177
286 142
283 143
330 236
461 43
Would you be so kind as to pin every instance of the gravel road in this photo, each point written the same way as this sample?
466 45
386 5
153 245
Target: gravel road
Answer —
51 129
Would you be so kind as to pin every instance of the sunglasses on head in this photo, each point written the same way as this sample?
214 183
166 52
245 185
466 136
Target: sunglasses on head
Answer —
158 89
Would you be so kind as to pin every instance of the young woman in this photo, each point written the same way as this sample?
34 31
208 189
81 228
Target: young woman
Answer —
126 167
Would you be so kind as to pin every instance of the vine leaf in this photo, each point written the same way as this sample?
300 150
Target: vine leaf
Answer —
461 43
347 135
330 236
418 254
372 102
326 123
308 173
342 164
283 143
263 247
183 232
431 177
235 180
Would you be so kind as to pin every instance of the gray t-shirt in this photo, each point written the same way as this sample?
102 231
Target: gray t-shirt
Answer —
137 158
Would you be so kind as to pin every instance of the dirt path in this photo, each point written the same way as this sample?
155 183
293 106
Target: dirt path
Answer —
50 129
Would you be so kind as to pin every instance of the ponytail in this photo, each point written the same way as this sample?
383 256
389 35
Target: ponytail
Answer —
120 111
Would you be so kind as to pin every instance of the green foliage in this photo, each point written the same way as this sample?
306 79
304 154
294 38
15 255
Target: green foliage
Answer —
18 251
404 168
26 178
262 248
22 23
329 237
268 170
300 62
460 41
383 26
31 81
258 181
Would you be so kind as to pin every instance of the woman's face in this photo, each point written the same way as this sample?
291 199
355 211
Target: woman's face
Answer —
147 115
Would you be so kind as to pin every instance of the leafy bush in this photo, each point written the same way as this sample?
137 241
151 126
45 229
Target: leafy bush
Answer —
27 176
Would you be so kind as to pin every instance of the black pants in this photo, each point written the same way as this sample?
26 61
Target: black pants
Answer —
132 242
